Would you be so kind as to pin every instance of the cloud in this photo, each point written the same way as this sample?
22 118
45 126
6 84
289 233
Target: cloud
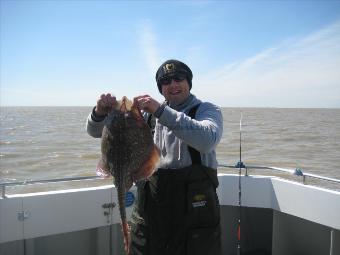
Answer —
147 39
300 72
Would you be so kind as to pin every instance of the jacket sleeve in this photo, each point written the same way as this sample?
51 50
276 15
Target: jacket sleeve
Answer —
94 128
202 133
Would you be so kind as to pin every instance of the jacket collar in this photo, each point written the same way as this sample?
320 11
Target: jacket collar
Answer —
190 99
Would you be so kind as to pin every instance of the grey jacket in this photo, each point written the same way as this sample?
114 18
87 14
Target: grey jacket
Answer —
175 130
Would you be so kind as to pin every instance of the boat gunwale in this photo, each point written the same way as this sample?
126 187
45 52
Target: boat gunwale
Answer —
296 172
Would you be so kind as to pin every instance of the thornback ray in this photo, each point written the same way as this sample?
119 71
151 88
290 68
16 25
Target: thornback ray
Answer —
128 153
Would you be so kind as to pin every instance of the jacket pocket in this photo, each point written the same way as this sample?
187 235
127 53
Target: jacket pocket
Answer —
203 241
203 205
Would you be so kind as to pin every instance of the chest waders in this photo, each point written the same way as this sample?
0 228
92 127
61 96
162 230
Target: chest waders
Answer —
177 211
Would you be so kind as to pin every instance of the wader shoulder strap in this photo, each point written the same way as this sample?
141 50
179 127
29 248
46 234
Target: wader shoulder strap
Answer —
151 121
195 154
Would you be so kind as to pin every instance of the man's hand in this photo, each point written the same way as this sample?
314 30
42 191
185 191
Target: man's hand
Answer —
105 104
146 103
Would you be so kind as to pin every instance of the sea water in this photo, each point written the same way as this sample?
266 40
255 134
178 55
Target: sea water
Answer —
52 142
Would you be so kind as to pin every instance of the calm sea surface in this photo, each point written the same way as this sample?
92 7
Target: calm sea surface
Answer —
51 142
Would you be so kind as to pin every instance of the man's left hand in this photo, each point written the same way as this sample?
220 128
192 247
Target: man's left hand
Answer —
147 103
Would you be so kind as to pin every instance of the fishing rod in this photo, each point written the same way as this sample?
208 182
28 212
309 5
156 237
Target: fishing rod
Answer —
239 165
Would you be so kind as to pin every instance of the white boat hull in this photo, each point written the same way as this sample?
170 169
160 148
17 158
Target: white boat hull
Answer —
278 217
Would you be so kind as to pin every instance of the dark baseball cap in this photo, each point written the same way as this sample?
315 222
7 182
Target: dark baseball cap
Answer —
170 68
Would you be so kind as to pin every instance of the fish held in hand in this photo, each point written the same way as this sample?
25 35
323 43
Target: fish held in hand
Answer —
128 152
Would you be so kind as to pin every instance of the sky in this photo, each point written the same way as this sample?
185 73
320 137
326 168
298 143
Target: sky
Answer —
242 53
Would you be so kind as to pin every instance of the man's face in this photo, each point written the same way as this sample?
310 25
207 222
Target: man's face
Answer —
176 92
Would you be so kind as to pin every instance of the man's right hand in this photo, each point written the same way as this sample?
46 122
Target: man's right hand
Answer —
105 104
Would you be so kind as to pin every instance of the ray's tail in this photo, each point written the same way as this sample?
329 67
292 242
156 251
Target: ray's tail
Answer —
122 210
126 233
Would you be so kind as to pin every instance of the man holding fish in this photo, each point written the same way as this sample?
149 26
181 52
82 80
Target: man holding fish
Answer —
177 208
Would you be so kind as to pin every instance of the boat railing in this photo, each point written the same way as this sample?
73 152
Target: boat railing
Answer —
3 185
291 171
238 166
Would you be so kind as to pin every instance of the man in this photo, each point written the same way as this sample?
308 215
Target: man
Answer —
177 212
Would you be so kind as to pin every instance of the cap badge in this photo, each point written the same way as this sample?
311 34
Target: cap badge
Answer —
168 68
